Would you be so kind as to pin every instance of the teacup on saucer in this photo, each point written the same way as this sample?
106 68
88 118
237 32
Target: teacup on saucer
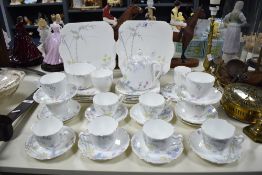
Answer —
66 141
41 97
197 145
194 114
120 114
137 114
153 156
71 109
89 149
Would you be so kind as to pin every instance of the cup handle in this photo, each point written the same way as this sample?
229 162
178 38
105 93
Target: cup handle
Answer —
157 70
238 140
121 98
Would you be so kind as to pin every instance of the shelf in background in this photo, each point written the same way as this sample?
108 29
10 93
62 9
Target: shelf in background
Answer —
167 5
114 9
36 5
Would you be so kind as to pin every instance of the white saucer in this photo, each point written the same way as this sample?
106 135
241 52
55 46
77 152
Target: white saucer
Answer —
120 114
73 110
213 97
194 114
41 97
120 88
169 91
33 149
153 156
88 149
137 114
198 146
87 92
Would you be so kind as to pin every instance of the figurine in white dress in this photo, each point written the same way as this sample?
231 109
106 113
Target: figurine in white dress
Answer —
233 22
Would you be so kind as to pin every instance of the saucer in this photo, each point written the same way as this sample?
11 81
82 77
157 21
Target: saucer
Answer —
36 151
197 145
153 156
168 92
90 150
87 92
120 114
194 114
137 114
212 97
120 88
41 97
73 110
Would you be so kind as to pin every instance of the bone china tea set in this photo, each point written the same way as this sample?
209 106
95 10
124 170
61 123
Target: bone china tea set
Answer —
88 79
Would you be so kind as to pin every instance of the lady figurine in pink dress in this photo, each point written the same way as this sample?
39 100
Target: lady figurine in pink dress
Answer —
53 61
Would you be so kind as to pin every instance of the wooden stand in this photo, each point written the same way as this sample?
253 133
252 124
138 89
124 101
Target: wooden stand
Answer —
189 62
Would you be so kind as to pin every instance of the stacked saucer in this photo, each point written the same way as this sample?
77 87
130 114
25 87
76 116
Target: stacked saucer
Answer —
131 95
89 80
151 106
103 140
109 104
56 95
157 142
199 96
221 147
50 139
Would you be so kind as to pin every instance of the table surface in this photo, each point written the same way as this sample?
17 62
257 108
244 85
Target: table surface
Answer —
13 158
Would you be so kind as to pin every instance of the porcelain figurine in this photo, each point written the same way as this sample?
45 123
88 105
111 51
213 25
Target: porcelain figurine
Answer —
141 66
150 10
15 2
176 18
53 61
27 21
57 19
43 30
107 17
25 52
233 22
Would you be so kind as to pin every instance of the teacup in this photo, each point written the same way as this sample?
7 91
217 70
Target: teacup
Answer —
47 131
102 79
180 73
54 84
58 108
152 104
158 134
102 130
199 83
80 74
218 135
106 103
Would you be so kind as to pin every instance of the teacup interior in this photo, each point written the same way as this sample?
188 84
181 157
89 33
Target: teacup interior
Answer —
101 73
107 98
47 126
152 99
218 129
102 126
52 78
200 77
80 69
182 69
158 129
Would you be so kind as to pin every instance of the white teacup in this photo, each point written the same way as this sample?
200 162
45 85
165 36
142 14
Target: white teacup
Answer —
80 74
102 79
218 134
54 84
106 103
102 130
152 104
180 73
58 108
158 134
199 83
47 131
